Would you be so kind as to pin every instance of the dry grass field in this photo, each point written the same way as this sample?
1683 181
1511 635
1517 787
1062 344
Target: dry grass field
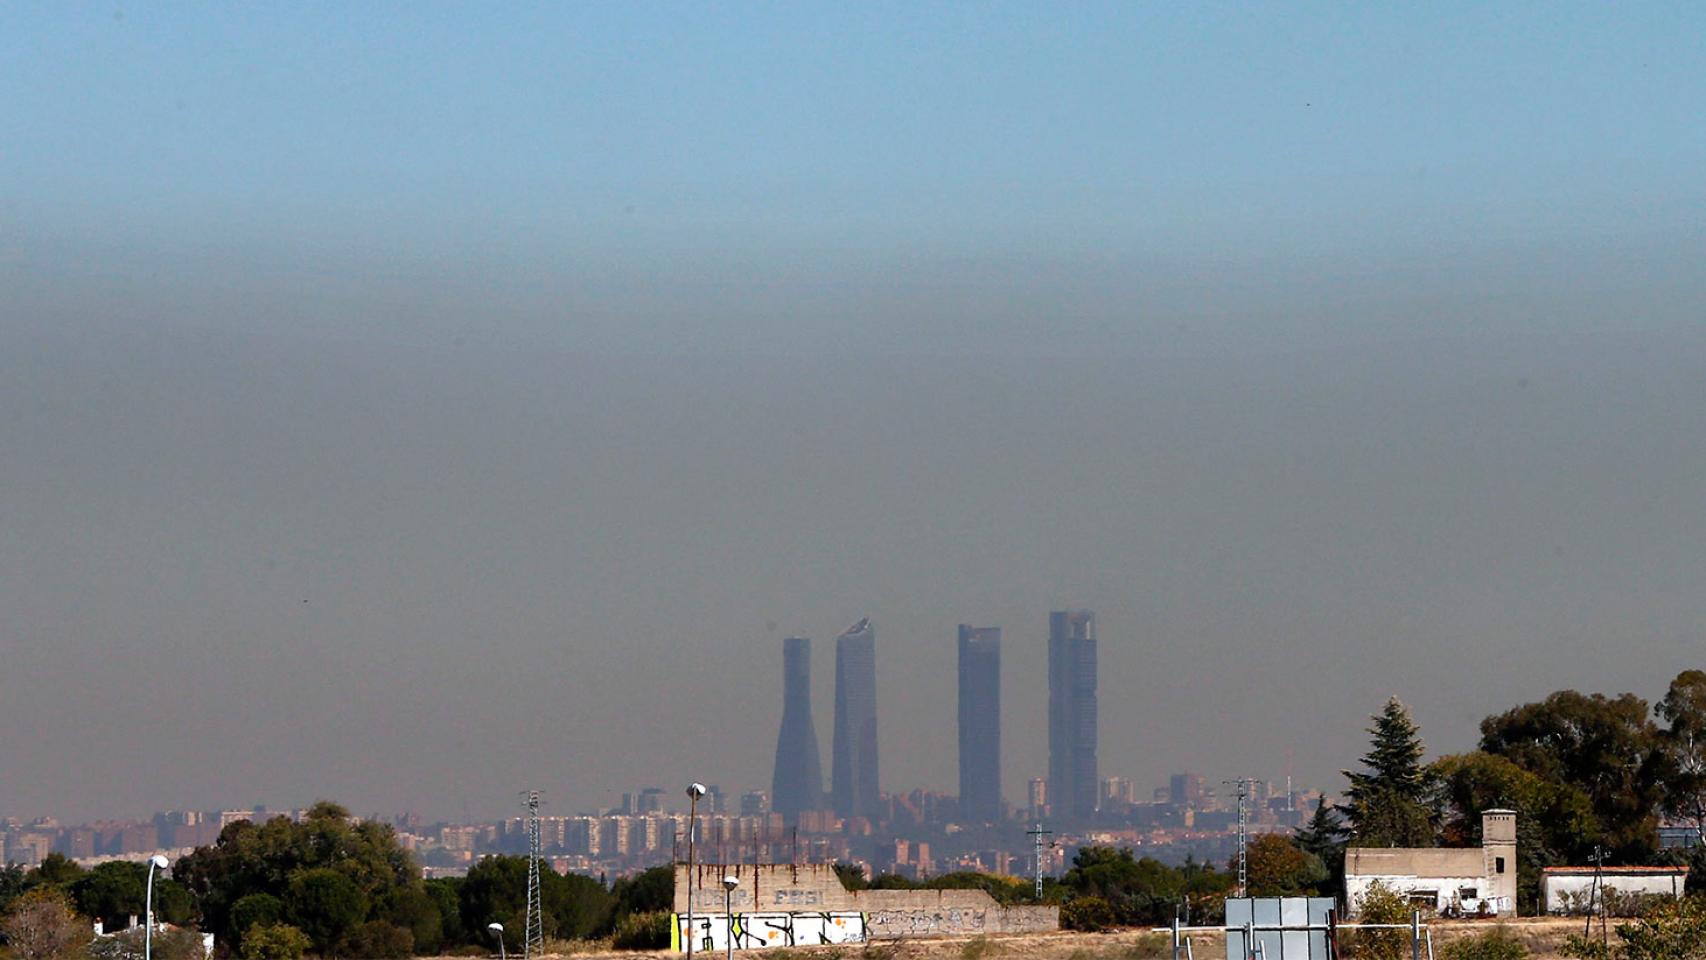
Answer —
1542 935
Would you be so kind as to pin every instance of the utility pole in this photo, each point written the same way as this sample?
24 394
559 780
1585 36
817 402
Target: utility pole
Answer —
1243 833
1037 833
1597 890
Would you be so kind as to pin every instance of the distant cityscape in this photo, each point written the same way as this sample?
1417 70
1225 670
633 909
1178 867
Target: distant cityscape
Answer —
913 834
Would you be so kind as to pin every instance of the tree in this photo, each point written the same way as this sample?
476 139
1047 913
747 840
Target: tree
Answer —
1388 801
445 893
326 905
653 890
274 941
1143 890
255 910
42 926
56 870
573 907
268 858
1609 748
1277 867
1324 838
851 875
1381 904
1684 710
1555 822
114 892
14 881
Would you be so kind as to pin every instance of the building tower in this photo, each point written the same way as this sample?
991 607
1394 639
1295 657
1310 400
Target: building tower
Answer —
1498 848
980 724
798 781
853 747
1072 714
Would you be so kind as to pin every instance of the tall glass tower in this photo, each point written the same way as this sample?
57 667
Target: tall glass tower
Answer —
980 723
853 775
1072 779
798 782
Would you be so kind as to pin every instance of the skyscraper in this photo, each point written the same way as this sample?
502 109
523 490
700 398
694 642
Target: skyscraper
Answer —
853 747
798 781
1072 714
980 723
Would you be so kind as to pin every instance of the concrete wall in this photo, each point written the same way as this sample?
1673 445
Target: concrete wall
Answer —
815 890
1573 892
1446 892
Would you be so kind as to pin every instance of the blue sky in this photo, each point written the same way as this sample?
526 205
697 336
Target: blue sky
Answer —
376 373
570 153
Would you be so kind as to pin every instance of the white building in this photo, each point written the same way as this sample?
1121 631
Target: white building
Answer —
1571 889
1465 880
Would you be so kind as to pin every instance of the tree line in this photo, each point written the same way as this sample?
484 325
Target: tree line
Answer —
330 886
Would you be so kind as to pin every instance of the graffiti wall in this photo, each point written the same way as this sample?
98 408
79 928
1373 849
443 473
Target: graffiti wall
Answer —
753 931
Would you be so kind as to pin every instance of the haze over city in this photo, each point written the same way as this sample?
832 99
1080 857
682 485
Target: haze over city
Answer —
409 408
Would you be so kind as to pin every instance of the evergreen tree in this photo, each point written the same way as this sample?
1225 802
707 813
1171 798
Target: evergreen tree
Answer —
1324 838
1389 802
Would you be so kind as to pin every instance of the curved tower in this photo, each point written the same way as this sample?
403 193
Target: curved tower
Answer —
798 781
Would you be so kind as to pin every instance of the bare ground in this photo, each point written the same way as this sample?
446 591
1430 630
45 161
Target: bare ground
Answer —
1542 935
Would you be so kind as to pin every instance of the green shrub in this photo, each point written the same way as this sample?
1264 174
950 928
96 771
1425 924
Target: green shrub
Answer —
1381 904
1087 914
643 931
1495 944
378 940
274 941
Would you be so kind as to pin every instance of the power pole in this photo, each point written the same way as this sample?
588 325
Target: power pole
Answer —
1037 833
534 945
1243 833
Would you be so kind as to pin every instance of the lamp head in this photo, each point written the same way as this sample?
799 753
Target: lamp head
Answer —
159 861
495 927
729 883
695 790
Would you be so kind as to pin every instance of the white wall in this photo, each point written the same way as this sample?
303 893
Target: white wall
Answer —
1446 891
1559 891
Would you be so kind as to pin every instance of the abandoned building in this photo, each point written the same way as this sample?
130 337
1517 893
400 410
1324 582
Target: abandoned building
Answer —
1464 880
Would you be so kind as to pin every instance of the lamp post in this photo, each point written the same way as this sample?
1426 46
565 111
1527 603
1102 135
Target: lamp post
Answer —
156 862
695 790
729 885
498 929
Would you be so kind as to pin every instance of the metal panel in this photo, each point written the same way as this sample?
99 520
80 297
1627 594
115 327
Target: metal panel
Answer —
1267 912
1320 912
1238 913
1294 944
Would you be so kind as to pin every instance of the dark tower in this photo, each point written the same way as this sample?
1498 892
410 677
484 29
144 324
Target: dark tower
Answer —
798 782
1072 714
853 778
980 723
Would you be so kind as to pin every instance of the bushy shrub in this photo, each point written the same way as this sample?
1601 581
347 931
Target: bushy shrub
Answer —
642 931
1495 944
1087 914
1381 904
274 941
378 940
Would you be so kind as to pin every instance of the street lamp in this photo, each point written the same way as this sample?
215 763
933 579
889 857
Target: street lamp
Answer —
695 790
498 929
156 862
729 885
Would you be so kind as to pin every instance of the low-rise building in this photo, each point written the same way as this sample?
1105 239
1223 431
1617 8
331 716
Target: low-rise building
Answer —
1573 889
1466 880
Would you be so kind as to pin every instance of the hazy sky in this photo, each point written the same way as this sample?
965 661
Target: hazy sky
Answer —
410 404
